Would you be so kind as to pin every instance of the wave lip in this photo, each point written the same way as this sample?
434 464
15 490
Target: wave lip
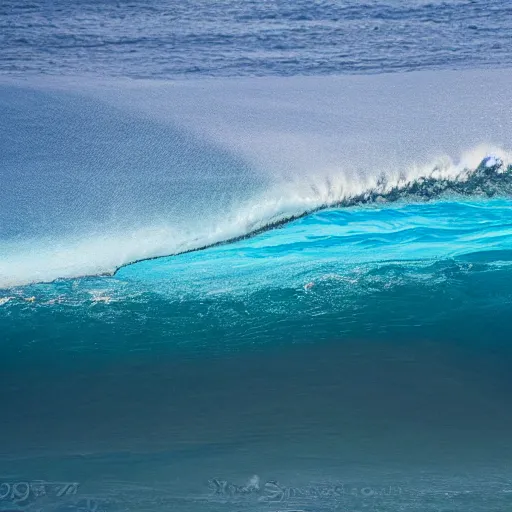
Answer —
44 261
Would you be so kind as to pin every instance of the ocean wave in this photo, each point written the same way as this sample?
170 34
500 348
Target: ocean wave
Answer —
483 172
405 300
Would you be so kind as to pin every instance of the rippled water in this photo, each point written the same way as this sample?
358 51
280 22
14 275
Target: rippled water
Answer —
232 38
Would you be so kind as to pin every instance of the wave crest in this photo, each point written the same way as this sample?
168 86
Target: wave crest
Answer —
483 172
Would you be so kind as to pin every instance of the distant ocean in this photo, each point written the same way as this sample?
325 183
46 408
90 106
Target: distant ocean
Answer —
255 256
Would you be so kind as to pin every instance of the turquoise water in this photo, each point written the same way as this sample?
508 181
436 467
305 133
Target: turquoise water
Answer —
344 359
356 271
192 318
255 256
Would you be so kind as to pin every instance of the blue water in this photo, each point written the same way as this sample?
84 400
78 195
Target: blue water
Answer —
156 39
255 256
379 272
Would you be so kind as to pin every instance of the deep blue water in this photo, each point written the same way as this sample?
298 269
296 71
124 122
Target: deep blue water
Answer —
156 39
255 256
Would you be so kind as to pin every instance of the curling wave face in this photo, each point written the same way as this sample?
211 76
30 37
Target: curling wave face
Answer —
104 255
401 269
98 175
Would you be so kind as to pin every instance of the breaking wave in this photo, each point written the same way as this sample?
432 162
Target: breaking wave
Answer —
485 172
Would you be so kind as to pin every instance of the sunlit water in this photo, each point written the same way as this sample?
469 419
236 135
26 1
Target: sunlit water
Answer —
240 293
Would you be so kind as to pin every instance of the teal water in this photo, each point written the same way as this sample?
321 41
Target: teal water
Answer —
266 294
370 271
353 358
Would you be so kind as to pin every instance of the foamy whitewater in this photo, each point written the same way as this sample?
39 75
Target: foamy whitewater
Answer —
255 256
198 163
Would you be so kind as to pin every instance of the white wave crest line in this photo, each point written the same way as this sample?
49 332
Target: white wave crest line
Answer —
29 263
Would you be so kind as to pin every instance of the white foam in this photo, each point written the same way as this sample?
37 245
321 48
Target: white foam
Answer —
305 143
47 260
